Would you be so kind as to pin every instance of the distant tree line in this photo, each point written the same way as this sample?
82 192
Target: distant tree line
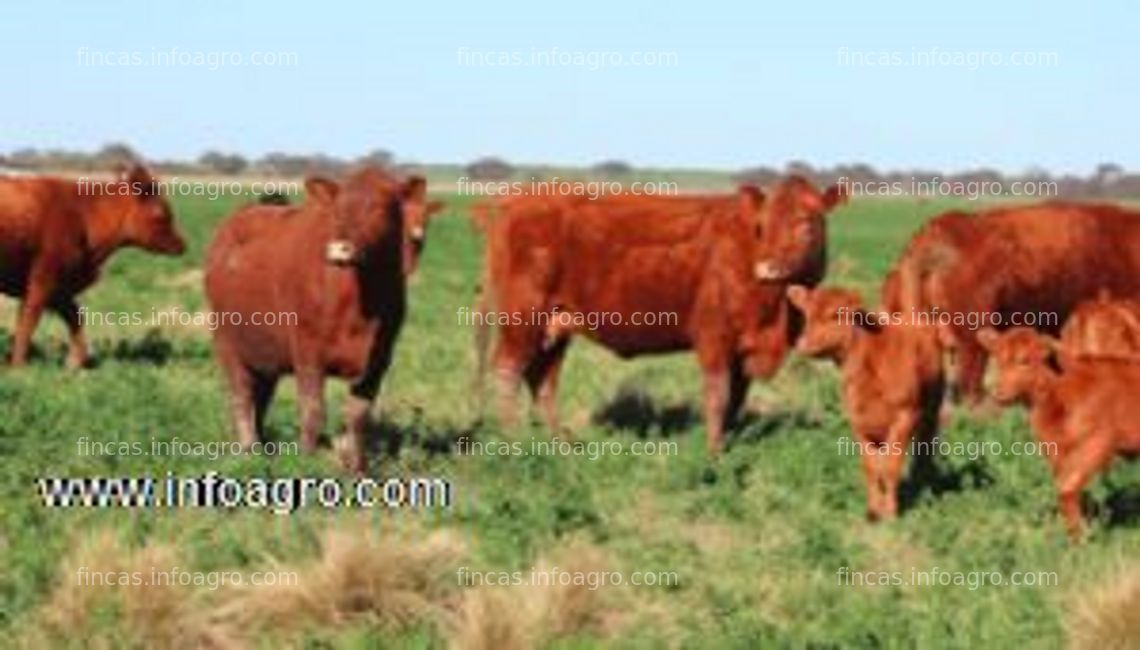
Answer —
1108 179
215 162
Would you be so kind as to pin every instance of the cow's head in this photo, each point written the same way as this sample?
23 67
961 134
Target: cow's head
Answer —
792 231
364 210
831 318
148 221
417 211
1023 361
372 209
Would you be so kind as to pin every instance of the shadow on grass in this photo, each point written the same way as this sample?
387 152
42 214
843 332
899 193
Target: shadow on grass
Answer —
929 474
1122 507
752 428
635 411
152 348
384 437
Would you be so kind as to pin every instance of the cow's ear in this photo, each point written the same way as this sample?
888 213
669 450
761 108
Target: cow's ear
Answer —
751 200
415 188
798 295
1054 345
835 195
433 207
988 338
1060 356
321 189
141 180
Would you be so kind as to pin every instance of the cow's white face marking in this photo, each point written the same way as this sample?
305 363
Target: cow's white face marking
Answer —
767 271
340 251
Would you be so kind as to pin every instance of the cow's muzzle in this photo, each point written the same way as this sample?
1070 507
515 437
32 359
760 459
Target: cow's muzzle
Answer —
340 252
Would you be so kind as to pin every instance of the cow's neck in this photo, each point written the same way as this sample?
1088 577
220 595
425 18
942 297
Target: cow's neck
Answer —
858 340
1045 401
103 226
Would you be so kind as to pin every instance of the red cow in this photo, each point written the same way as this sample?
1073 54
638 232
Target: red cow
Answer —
1009 262
714 267
1085 414
333 272
55 235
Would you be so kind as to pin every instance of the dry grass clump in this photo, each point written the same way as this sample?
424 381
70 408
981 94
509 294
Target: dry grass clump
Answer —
98 583
387 581
1107 617
531 615
359 578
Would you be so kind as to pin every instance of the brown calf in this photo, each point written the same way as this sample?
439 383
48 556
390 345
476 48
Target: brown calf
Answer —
55 235
892 382
1086 413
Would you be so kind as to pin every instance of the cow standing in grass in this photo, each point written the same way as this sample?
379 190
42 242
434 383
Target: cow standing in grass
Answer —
717 265
56 234
333 270
1041 259
1085 412
892 383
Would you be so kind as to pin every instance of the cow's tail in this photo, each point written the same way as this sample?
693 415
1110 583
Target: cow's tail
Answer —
481 312
485 304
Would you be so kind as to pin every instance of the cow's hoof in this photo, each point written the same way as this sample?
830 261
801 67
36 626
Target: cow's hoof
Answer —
872 516
349 456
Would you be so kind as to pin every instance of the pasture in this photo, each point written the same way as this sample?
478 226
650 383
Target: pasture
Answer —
757 541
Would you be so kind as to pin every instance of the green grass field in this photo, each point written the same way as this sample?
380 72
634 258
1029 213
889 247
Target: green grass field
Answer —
756 540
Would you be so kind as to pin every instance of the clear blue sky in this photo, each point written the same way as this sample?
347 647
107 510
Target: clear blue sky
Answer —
753 82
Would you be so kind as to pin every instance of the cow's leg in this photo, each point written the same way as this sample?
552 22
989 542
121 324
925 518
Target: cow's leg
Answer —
542 380
869 460
1078 466
262 388
31 309
513 354
925 470
351 446
68 310
240 381
716 401
481 317
738 381
970 374
311 405
893 460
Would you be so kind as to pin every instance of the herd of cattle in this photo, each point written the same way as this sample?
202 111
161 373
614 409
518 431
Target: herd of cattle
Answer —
740 271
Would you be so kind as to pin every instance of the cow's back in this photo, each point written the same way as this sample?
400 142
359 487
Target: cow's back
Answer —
1040 258
1048 258
256 264
35 214
625 258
